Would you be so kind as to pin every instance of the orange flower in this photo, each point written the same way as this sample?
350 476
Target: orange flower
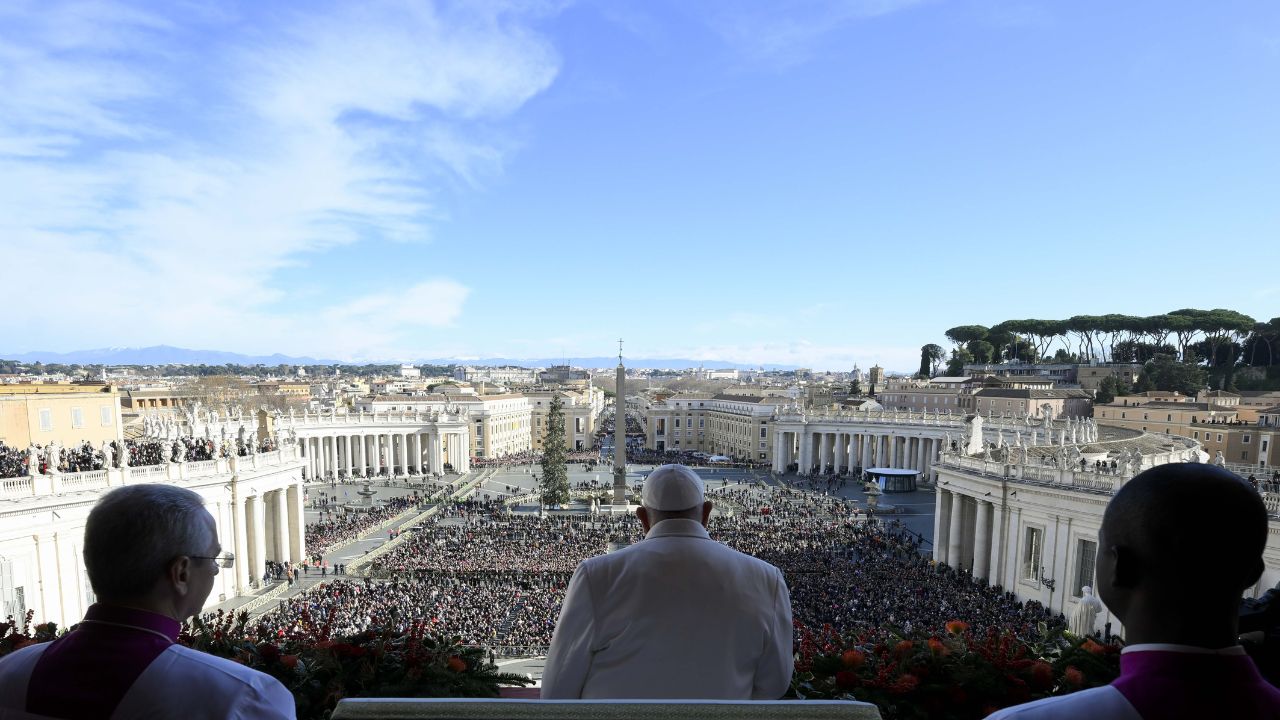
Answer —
1073 677
937 647
955 627
456 664
903 647
853 658
1092 647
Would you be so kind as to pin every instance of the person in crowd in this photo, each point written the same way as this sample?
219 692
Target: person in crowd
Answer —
676 615
1178 595
151 552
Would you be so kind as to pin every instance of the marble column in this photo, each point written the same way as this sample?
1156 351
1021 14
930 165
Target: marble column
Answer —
866 450
240 566
433 451
955 538
402 453
281 526
348 462
982 541
942 526
920 442
297 524
257 538
824 447
333 455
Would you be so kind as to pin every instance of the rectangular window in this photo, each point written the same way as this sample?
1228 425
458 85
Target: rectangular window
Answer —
1086 556
1245 439
1219 437
677 422
77 417
46 419
763 432
1195 435
1032 545
106 415
762 445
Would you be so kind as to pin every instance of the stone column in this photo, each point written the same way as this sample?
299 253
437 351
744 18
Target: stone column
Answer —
348 461
433 451
297 524
824 447
240 542
982 541
415 450
865 441
777 465
257 537
333 455
942 526
281 527
955 539
403 452
920 442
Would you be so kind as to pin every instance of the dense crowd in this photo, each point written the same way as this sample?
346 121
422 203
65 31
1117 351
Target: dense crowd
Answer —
338 525
497 579
85 457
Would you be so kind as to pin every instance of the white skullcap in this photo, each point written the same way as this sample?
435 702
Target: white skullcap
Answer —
672 487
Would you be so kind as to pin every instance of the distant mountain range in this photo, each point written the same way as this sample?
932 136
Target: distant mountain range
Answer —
169 355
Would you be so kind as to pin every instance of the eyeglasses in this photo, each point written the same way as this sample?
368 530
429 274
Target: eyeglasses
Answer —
225 560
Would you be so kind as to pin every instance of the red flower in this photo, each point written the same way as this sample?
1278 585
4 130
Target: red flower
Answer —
846 680
268 652
904 684
853 658
903 647
937 647
955 627
1073 677
456 664
1093 647
289 661
1041 675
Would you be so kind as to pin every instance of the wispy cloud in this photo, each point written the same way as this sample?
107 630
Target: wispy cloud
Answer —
785 32
159 169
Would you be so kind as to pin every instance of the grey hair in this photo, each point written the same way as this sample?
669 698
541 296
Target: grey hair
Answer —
134 532
693 513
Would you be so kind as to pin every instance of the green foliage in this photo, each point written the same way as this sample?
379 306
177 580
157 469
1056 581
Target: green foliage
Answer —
855 388
554 483
930 357
981 351
964 334
959 358
1165 373
1109 389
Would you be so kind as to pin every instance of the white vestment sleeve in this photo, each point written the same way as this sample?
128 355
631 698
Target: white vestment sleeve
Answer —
569 658
773 672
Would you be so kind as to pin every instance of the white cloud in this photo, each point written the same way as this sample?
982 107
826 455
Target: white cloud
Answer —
784 32
159 171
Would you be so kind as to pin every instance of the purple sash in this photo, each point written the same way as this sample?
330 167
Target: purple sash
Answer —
85 673
1168 684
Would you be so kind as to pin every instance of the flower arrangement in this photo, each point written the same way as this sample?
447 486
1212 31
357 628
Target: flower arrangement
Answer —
955 674
320 670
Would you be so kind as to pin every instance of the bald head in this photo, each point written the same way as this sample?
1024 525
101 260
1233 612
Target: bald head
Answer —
1187 537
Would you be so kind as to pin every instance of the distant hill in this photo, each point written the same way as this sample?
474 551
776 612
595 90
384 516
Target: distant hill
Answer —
169 355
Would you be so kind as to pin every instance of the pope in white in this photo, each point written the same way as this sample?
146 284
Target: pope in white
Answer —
676 616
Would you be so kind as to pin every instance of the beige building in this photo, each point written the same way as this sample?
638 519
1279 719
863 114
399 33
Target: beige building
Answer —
1021 401
940 394
581 410
68 414
735 425
1219 428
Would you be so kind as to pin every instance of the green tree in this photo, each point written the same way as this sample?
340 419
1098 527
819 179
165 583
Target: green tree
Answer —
1165 373
855 387
1108 389
959 358
981 351
555 472
930 356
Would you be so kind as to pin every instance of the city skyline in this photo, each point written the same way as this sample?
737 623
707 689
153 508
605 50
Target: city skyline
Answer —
816 184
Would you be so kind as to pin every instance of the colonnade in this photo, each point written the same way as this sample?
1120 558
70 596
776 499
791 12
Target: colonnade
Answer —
964 527
368 454
838 451
269 525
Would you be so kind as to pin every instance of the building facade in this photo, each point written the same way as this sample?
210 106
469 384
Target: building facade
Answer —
68 414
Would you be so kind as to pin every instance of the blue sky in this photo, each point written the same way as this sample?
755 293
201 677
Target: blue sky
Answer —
810 183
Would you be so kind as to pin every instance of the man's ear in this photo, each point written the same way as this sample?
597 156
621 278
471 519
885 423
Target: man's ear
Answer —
643 513
180 573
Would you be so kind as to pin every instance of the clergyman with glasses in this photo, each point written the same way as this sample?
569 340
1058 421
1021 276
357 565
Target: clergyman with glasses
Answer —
151 552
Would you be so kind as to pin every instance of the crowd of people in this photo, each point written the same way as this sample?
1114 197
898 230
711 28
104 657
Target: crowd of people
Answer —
17 462
498 579
338 525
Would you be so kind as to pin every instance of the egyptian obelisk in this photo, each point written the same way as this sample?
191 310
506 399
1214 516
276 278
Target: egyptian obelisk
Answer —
620 434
